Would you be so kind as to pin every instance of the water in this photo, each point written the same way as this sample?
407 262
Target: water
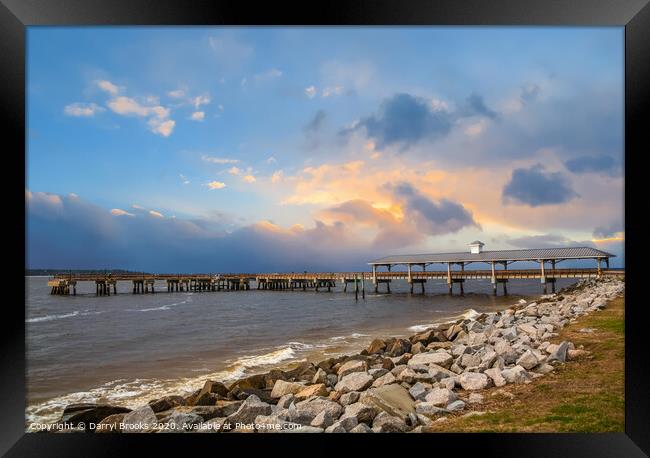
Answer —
126 349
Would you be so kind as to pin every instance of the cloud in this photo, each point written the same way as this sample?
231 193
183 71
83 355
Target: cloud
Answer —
82 109
332 91
198 116
200 100
311 92
316 122
593 164
156 214
218 160
158 115
216 185
546 241
475 105
249 179
234 170
404 120
107 86
277 176
608 231
434 217
120 212
177 93
535 187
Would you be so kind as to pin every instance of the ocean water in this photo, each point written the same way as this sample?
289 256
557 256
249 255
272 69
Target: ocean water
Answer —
126 349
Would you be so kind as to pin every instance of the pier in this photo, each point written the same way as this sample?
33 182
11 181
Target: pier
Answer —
452 273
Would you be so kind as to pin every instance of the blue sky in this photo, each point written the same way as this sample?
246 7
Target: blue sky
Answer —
338 144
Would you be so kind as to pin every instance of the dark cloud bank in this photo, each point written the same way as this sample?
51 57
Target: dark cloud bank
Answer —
535 186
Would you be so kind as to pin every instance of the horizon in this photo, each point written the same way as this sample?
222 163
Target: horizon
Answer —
248 149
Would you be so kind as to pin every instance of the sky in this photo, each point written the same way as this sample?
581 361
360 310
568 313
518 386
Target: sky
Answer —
226 149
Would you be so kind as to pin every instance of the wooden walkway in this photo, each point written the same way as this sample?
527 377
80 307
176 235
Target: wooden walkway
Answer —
66 284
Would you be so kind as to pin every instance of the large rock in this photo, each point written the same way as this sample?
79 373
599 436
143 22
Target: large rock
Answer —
257 381
386 379
282 388
440 396
399 347
307 410
393 399
323 420
361 428
440 358
111 424
364 413
349 398
141 420
249 410
418 391
166 403
221 409
428 409
357 381
352 366
474 381
528 360
320 376
211 386
495 374
456 406
559 353
74 414
385 423
376 346
318 389
516 375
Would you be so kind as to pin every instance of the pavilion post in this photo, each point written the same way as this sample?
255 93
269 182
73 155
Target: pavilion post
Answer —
494 280
449 284
462 280
424 269
600 271
410 277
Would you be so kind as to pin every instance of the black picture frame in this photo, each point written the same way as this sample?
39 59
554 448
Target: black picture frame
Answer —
634 15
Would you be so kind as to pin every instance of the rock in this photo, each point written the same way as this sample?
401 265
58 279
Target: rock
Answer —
349 398
449 383
495 375
320 376
439 372
408 375
257 382
74 414
399 347
474 381
286 400
352 366
385 423
376 346
376 373
347 423
307 410
206 399
440 358
528 360
417 348
361 428
211 386
456 406
332 380
418 391
282 388
575 354
559 353
318 389
468 360
166 403
452 332
392 399
141 420
335 428
384 380
387 364
544 368
249 410
221 409
111 424
323 420
182 422
440 396
357 381
515 375
364 413
475 398
428 409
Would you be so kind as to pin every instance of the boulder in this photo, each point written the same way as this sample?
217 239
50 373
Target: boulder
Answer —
376 346
357 381
393 399
559 353
111 424
418 391
74 414
352 366
318 389
332 380
469 360
312 407
386 379
474 381
285 401
249 410
363 412
428 409
166 403
257 381
361 428
320 376
456 406
440 358
408 375
440 396
349 398
495 375
399 347
528 360
141 420
282 388
385 423
417 348
335 428
182 422
323 420
515 375
211 386
347 423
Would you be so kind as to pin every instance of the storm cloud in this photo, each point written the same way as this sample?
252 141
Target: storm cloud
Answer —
535 186
593 164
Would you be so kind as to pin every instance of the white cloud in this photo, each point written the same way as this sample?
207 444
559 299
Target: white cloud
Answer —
163 128
311 92
137 207
156 214
216 185
158 115
82 109
234 170
218 160
107 86
198 116
200 100
177 93
249 179
120 212
127 106
277 176
333 90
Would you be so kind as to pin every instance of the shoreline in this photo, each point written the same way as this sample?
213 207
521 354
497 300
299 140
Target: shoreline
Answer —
425 372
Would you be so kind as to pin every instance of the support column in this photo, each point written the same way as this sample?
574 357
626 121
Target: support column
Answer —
363 286
600 271
388 282
424 269
410 277
449 284
462 283
374 276
356 287
494 280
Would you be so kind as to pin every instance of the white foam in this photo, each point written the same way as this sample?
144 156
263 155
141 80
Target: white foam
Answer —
420 327
39 319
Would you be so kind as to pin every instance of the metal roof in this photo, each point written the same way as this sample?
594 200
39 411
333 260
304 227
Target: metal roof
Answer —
533 254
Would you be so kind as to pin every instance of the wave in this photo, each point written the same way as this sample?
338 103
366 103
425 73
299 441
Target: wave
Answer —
39 319
162 307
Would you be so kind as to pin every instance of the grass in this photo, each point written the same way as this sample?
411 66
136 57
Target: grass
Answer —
584 395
